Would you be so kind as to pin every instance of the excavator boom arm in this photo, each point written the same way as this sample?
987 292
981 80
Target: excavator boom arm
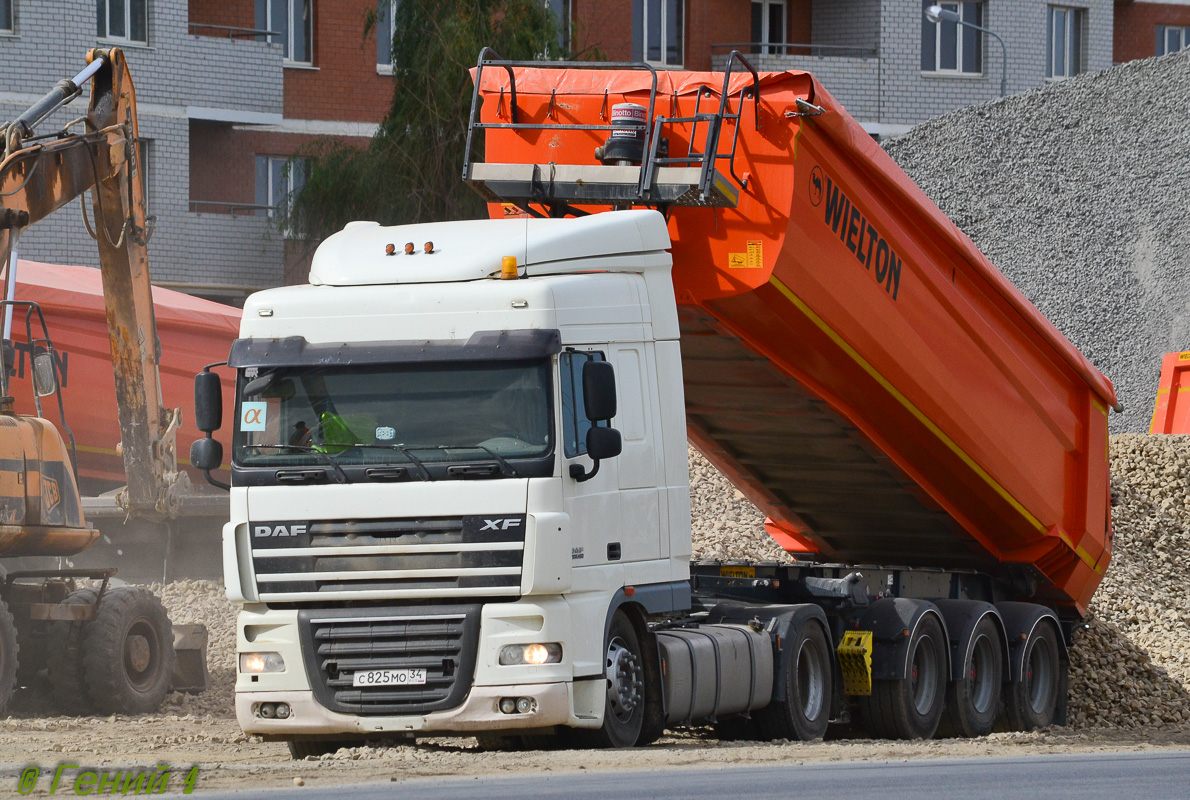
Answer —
39 176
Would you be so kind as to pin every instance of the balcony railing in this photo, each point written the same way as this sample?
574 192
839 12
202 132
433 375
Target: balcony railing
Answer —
228 207
800 49
229 31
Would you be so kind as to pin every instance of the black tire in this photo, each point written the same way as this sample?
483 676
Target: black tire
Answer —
911 708
1032 701
807 680
68 687
624 708
305 748
8 656
973 702
128 652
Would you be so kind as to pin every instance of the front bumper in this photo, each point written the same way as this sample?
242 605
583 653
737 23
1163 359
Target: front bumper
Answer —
479 712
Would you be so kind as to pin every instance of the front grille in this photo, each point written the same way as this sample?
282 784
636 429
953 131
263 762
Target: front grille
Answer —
337 643
376 559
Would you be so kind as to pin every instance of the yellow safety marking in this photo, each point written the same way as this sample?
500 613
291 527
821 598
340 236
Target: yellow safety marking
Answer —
737 261
737 572
904 401
855 662
1183 356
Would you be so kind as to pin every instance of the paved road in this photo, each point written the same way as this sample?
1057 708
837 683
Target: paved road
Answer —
1112 776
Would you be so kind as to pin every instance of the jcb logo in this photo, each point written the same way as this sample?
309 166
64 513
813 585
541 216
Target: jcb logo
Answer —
500 524
279 530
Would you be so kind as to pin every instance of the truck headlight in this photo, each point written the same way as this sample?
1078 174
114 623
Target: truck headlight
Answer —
513 654
256 663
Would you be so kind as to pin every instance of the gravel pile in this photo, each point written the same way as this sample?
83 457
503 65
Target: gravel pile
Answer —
1076 192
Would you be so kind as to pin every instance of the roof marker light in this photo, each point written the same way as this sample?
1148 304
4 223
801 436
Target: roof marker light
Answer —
429 248
408 248
508 270
390 249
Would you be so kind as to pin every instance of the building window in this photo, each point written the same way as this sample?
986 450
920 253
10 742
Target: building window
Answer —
949 47
574 414
277 178
292 24
768 26
1064 42
386 26
657 27
7 22
123 20
561 13
1172 38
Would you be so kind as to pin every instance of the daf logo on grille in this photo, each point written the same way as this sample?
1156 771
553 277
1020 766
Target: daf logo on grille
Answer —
297 529
500 524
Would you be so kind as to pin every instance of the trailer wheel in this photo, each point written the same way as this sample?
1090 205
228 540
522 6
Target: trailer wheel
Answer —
8 656
1033 700
805 712
64 665
128 652
624 709
973 702
911 708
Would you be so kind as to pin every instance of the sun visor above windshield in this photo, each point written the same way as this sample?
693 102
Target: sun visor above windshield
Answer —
481 346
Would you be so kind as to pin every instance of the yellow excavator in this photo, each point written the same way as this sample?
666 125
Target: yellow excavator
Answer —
103 647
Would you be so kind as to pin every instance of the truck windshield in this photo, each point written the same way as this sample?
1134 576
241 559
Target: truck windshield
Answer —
417 415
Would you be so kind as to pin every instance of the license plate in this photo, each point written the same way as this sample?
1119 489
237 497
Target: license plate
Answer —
737 572
389 677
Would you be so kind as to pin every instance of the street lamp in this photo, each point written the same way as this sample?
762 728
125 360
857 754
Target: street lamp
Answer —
938 14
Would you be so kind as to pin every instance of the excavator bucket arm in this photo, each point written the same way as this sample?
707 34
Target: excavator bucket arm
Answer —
38 175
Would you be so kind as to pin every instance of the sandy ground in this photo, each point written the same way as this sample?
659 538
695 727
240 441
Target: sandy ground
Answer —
229 760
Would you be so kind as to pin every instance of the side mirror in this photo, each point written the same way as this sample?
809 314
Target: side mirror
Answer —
206 454
45 377
604 443
599 390
208 401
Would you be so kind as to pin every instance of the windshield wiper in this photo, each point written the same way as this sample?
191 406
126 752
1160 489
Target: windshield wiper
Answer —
305 448
505 467
403 450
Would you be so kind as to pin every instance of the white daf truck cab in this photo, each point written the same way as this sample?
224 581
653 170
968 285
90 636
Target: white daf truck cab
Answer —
420 538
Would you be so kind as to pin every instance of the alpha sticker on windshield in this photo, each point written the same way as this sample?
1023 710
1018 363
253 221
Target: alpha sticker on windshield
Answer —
253 416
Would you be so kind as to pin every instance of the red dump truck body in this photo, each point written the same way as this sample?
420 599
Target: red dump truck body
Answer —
852 362
193 333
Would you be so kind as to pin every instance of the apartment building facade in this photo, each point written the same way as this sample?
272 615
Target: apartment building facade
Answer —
227 91
1147 29
883 59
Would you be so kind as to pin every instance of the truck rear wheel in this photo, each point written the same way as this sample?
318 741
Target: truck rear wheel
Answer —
805 712
911 708
8 656
128 652
624 708
973 702
1033 700
65 663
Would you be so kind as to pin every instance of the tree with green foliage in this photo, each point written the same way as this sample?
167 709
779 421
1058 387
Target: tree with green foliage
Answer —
410 172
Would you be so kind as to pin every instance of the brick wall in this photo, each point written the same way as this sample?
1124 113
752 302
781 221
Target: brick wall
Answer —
344 84
222 12
605 25
1136 27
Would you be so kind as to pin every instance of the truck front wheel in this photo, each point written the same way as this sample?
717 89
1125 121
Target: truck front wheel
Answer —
624 708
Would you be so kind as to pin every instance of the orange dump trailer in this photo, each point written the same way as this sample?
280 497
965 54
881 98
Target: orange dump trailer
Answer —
1170 413
852 362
